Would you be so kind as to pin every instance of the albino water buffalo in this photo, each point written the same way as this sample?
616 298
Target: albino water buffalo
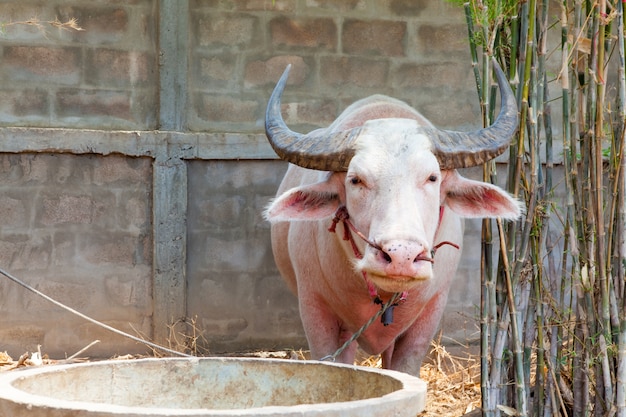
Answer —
384 179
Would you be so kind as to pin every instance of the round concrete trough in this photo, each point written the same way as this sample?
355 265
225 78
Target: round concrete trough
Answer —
209 387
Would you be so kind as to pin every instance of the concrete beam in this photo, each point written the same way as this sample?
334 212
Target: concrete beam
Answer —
207 146
173 63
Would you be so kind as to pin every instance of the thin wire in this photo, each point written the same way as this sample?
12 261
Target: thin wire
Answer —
96 322
359 332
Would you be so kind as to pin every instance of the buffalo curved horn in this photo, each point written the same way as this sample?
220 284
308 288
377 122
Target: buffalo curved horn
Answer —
320 151
462 150
315 150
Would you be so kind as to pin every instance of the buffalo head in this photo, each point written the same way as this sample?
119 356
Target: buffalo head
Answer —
396 173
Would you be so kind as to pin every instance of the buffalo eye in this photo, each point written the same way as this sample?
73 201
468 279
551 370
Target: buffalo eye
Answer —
355 180
433 178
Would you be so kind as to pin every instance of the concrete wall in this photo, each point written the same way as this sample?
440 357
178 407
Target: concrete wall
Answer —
133 165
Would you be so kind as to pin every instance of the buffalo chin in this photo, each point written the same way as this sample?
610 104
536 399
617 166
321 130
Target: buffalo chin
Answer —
396 284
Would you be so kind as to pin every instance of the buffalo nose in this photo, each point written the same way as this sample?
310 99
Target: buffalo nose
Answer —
402 252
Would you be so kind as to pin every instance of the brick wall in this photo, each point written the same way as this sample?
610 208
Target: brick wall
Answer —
103 77
340 51
236 293
140 227
106 76
78 229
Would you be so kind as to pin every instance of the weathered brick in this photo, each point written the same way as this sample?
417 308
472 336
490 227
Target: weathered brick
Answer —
375 37
130 24
310 112
65 249
223 329
81 295
354 72
220 211
21 336
136 208
81 103
439 74
115 169
127 320
31 102
109 67
32 254
70 209
335 6
71 333
100 24
450 110
13 212
126 291
241 31
320 33
239 255
261 72
24 104
23 169
405 8
216 69
442 39
136 212
195 5
24 251
213 177
17 11
120 250
60 65
225 108
266 5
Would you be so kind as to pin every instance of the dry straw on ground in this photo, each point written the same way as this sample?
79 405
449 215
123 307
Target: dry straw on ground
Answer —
453 383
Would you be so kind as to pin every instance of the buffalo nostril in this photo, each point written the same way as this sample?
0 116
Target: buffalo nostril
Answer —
386 257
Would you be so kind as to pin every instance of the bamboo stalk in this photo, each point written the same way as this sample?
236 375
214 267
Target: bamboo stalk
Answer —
568 164
620 383
598 174
620 377
473 47
621 258
580 362
543 386
487 316
526 118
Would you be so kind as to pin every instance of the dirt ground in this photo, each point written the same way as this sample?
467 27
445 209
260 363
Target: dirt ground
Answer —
453 378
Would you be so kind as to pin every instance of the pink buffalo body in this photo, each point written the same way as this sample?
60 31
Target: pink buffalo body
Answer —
398 196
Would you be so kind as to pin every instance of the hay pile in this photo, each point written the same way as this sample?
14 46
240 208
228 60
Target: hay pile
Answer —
453 381
7 363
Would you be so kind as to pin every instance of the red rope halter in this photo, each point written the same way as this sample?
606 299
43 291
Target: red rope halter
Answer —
341 215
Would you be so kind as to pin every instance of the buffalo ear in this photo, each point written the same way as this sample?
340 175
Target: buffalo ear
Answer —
309 202
474 199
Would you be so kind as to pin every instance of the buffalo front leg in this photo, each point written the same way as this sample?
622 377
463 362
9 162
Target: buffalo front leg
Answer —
411 347
324 332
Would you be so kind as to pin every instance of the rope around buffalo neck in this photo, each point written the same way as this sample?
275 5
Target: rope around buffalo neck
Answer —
393 300
342 215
